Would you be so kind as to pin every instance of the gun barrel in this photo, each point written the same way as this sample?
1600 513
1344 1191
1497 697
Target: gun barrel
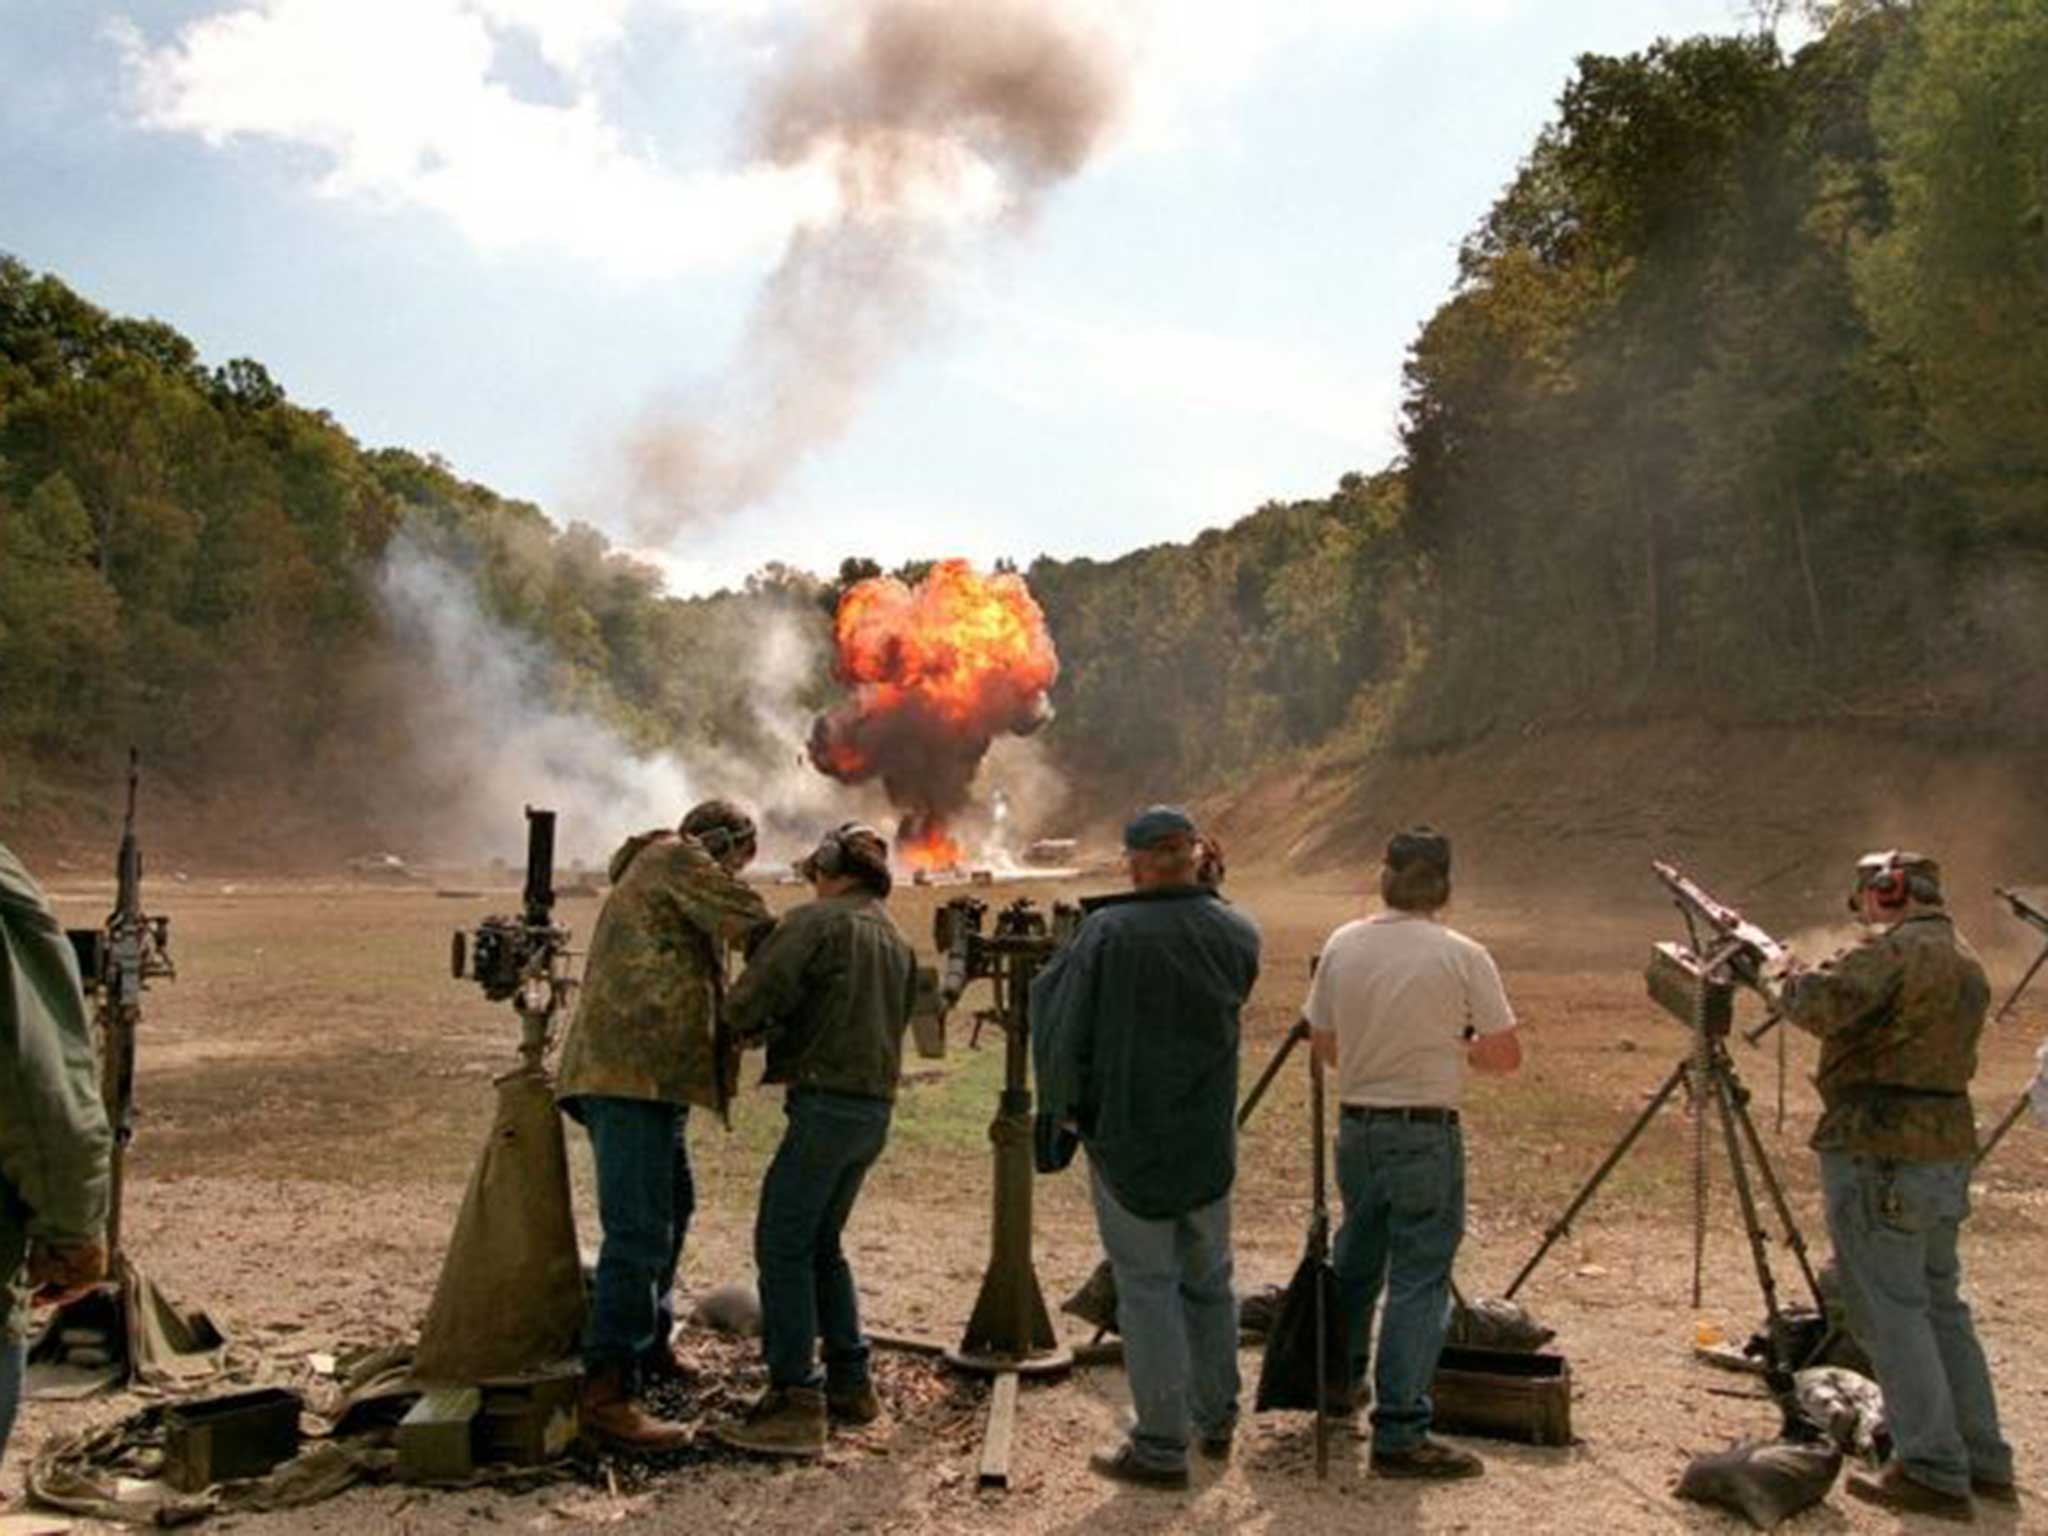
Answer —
540 865
1725 920
2022 908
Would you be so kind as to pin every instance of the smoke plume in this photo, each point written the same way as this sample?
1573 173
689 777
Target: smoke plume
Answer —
486 736
936 673
935 119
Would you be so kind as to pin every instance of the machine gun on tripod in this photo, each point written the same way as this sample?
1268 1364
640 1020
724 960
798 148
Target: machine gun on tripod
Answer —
117 961
1696 982
2033 916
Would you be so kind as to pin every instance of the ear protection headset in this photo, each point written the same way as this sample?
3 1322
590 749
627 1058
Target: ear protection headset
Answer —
1884 877
722 837
830 856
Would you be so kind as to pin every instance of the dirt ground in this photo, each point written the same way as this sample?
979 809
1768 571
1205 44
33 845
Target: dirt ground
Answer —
314 1086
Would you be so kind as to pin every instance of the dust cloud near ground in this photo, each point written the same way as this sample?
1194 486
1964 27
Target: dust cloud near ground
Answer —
313 1087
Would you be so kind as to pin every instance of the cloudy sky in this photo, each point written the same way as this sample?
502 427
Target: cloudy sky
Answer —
537 236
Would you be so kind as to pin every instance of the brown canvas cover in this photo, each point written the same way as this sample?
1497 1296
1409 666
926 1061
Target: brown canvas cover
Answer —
510 1297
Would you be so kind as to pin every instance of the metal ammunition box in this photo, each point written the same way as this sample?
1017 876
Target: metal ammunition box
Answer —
527 1420
215 1439
437 1439
1673 981
1504 1395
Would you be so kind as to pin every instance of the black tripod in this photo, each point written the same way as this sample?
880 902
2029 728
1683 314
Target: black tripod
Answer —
1717 1089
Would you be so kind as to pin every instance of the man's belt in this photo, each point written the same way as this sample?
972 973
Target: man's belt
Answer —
1428 1114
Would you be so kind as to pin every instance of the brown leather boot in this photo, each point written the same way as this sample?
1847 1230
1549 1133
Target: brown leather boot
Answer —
612 1417
852 1405
665 1362
787 1421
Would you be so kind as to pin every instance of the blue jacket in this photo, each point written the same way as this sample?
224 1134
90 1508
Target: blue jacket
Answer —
1134 1030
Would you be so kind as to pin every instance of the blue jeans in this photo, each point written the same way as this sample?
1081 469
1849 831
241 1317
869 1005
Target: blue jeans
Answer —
830 1142
1894 1229
644 1196
1178 1317
13 1360
1403 1183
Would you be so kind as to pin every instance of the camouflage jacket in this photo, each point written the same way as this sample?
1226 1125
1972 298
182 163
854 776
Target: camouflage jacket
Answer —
652 981
1898 1016
54 1141
830 992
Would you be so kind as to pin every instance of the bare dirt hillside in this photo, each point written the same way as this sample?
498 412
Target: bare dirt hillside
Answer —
1769 817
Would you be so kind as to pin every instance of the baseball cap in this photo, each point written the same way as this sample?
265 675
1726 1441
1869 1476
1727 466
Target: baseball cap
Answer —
1421 844
1155 824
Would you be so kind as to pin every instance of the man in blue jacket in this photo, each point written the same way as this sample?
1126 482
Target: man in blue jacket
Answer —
1135 1041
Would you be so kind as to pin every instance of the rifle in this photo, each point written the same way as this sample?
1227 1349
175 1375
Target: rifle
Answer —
2026 912
117 961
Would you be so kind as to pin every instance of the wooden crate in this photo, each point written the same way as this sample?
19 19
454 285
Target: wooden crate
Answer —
1504 1395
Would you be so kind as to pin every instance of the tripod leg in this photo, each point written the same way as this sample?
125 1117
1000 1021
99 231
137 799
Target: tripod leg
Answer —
1774 1187
2012 1118
1320 1243
1295 1036
1745 1198
1563 1224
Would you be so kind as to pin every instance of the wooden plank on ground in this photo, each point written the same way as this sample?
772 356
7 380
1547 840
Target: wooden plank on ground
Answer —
1002 1424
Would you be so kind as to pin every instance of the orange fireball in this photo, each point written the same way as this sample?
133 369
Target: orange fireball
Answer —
936 673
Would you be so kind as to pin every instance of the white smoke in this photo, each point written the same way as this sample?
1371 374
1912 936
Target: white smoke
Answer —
486 736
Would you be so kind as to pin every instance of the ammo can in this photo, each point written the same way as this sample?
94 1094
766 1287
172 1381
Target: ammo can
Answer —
216 1439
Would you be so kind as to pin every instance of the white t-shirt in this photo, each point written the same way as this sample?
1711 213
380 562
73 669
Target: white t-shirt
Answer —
1399 991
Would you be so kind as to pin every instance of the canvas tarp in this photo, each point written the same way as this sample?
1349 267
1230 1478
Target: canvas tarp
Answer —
510 1297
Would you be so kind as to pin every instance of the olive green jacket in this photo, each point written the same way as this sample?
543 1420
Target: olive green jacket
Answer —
1898 1016
643 1027
830 992
54 1141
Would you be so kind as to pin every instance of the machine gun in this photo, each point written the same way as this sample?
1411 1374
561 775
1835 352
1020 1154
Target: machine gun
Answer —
116 962
1696 981
524 959
1722 949
2033 916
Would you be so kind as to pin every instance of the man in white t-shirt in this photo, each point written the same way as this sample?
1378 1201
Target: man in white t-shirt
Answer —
1400 1005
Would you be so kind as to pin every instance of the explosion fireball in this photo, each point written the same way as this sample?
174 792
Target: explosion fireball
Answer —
936 673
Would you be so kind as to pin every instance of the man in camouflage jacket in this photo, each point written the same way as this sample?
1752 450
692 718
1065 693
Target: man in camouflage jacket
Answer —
642 1048
1898 1016
54 1141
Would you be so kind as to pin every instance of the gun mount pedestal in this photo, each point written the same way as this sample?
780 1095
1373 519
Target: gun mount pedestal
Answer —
1010 1330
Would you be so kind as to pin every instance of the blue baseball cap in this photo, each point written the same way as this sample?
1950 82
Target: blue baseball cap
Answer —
1155 824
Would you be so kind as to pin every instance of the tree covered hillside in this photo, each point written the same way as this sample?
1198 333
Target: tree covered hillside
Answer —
1739 408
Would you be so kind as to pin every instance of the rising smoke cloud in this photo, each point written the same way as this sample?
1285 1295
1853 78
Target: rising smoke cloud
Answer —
937 120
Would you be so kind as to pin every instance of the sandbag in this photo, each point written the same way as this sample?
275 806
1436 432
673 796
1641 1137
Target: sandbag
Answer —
1095 1302
1764 1481
1489 1323
1846 1409
1287 1375
510 1297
